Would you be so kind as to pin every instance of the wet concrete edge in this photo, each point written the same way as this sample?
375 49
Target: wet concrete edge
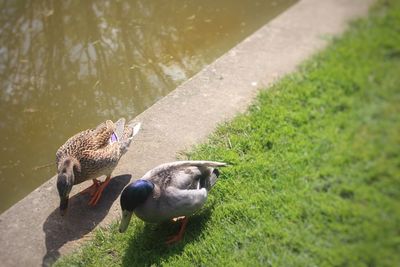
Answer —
32 233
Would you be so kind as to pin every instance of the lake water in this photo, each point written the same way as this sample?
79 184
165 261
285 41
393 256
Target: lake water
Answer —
66 66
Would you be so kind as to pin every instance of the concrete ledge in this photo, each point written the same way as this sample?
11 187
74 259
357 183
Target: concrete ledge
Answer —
32 233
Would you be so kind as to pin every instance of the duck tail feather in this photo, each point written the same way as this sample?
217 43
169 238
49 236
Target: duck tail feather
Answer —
135 128
119 128
209 181
214 177
130 131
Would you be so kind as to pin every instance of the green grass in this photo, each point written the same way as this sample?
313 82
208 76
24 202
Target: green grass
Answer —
315 174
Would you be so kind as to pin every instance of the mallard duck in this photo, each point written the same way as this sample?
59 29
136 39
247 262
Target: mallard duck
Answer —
91 154
170 191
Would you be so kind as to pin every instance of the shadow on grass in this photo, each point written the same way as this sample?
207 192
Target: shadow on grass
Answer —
148 246
80 219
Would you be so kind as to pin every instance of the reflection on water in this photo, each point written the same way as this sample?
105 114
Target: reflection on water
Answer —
67 65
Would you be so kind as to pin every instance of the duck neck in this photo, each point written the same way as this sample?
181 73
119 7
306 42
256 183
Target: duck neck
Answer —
69 165
66 177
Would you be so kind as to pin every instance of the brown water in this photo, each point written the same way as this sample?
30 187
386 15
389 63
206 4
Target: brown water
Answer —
66 66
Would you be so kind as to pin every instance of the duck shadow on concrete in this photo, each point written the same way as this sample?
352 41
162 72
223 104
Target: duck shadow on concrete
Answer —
80 219
147 247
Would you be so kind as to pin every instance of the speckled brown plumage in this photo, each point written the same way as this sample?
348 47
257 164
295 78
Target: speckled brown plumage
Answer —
92 153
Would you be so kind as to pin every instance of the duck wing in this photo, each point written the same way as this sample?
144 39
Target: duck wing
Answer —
183 174
181 187
90 139
102 135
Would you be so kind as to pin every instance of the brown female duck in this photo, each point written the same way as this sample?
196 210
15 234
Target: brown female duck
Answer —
91 154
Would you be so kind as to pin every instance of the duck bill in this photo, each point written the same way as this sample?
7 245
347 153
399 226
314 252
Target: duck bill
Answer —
126 218
63 205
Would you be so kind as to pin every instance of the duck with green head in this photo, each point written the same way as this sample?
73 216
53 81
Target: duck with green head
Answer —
90 154
170 191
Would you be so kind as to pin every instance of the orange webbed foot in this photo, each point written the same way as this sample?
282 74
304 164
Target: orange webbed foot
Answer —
96 196
91 189
178 237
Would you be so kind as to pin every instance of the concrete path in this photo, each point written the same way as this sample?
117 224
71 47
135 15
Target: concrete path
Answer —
32 233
